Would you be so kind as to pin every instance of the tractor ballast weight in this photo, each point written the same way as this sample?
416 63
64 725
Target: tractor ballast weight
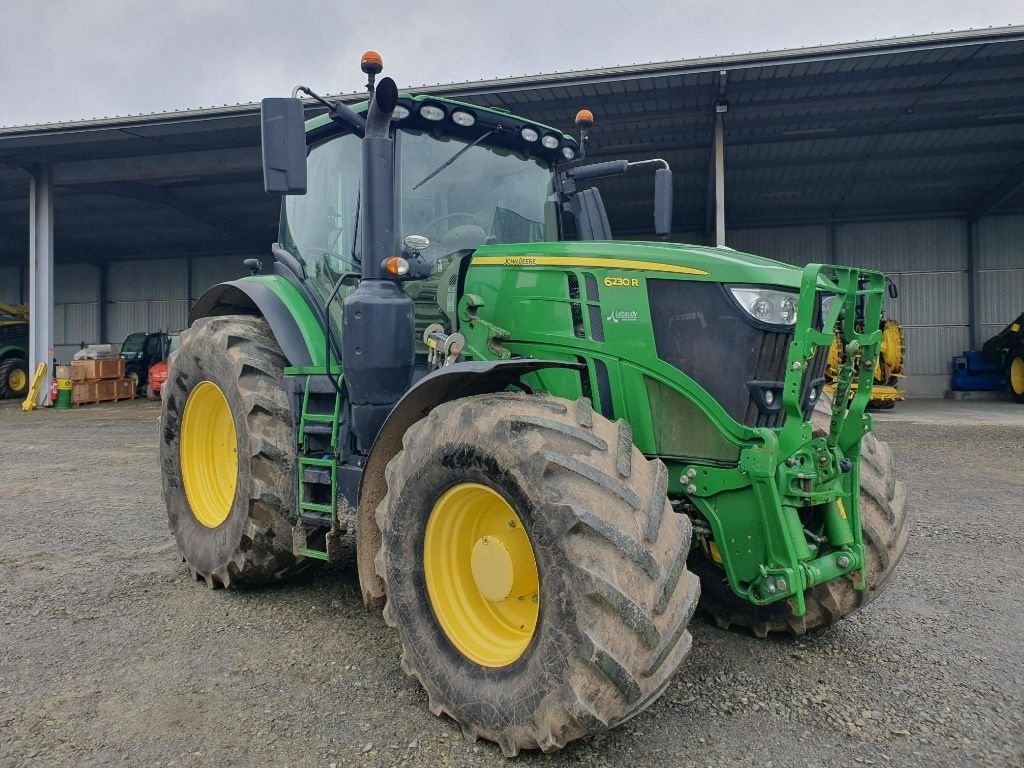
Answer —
536 438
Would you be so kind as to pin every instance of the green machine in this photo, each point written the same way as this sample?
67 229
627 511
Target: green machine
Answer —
14 380
549 445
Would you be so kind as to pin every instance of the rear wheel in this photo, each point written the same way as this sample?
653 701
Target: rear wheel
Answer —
534 569
14 377
151 394
1015 373
883 515
226 455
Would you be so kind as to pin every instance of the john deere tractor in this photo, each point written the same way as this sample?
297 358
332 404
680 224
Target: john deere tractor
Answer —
539 437
13 351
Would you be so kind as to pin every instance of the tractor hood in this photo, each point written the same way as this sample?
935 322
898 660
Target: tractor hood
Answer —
696 262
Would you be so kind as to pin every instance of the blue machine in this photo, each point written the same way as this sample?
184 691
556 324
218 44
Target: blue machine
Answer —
975 372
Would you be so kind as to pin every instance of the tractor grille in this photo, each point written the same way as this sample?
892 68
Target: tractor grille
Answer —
702 332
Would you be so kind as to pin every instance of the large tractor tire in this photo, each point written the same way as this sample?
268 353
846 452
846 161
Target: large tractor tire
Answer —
226 454
14 379
883 515
534 569
1015 373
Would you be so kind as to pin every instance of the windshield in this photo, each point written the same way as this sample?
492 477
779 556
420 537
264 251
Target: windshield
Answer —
133 344
485 196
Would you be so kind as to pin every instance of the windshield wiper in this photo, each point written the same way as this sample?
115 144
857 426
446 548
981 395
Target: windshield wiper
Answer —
451 160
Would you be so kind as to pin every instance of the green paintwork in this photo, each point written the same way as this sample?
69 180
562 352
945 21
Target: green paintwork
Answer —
305 318
741 484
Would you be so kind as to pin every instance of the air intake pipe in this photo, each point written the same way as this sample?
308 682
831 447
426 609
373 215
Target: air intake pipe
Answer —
378 329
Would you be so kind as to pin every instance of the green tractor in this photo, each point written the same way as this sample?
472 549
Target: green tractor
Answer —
14 380
545 442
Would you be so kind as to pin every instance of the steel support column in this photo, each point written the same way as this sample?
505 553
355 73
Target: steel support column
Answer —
719 155
973 289
40 264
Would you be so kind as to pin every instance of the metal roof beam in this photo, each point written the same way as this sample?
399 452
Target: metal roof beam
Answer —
1010 185
164 167
167 199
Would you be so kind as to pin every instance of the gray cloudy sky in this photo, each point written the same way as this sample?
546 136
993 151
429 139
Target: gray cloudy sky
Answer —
70 59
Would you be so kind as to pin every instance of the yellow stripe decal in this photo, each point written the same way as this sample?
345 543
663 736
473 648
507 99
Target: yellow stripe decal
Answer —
576 261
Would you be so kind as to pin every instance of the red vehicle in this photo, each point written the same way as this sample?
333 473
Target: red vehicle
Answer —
158 372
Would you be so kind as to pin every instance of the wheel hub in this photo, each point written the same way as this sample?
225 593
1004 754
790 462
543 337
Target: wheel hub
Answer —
17 380
209 454
1017 376
481 575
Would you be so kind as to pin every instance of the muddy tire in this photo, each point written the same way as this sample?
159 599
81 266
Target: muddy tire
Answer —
11 384
614 595
151 394
883 514
253 544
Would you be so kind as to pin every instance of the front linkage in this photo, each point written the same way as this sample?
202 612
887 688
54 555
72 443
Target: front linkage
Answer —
788 517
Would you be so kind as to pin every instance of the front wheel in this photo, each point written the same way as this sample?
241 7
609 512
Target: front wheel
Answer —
1015 373
14 377
226 453
883 517
534 569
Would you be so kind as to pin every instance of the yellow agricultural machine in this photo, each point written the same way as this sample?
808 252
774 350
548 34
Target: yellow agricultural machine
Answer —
888 371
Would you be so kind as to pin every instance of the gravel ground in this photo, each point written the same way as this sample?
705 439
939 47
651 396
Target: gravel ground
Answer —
110 655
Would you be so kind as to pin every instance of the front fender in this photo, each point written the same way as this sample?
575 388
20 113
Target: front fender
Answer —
292 320
443 385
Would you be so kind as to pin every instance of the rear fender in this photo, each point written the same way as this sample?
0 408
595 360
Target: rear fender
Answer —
292 320
449 383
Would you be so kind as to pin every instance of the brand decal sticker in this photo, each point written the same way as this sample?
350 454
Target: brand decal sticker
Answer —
623 316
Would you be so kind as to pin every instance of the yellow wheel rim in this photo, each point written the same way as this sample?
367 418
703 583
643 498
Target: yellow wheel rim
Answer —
481 575
1017 375
209 454
17 380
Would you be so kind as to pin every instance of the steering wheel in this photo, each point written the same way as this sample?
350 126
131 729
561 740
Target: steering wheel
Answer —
469 219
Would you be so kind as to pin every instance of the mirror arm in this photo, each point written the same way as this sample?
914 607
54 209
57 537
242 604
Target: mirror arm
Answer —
338 112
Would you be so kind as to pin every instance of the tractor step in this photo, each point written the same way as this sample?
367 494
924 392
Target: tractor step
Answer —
300 544
319 428
320 521
318 475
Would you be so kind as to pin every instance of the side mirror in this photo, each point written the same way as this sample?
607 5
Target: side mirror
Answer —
284 146
663 201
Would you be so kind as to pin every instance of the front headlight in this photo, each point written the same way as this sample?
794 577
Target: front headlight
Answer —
768 305
826 305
